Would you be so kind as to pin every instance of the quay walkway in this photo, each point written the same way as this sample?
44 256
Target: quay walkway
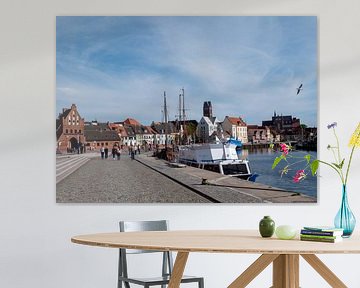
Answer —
150 180
68 163
225 189
121 181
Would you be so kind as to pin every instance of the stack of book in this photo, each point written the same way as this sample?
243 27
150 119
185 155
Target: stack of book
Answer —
321 234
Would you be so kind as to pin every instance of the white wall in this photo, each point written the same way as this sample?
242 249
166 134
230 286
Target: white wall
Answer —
35 248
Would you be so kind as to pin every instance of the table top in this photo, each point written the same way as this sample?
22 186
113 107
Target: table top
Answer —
216 241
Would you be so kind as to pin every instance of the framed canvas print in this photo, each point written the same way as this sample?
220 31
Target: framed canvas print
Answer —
180 109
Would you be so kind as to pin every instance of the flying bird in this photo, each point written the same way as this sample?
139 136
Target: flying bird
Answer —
299 89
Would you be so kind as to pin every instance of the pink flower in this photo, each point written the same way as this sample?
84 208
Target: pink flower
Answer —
300 175
284 149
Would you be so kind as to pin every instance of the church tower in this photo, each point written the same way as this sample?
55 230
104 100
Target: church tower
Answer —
207 109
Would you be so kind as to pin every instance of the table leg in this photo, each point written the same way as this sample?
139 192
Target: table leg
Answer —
253 270
178 270
286 271
324 271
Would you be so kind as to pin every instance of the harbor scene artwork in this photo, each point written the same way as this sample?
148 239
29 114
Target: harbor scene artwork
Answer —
185 109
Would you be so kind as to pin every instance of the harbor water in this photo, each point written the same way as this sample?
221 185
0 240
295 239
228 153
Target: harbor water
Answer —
261 161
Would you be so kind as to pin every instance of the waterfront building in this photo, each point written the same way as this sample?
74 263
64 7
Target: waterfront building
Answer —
144 134
260 134
281 122
118 127
128 136
148 135
163 131
236 127
206 128
100 134
70 131
134 132
139 135
287 126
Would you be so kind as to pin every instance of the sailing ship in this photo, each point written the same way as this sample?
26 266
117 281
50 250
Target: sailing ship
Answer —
221 157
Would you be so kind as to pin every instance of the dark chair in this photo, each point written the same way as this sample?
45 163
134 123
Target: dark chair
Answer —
167 265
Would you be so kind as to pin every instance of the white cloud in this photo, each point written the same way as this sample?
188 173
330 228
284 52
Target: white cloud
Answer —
243 70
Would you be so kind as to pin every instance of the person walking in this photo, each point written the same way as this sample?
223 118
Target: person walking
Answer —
106 151
132 153
118 153
113 152
102 151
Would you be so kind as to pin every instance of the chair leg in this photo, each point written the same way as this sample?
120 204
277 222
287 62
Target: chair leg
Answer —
201 283
126 284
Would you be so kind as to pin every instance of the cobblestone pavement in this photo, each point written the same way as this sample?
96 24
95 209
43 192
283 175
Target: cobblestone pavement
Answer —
68 163
123 181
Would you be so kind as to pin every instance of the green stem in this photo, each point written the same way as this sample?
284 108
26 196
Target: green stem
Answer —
340 159
296 162
351 155
338 146
333 152
337 170
348 167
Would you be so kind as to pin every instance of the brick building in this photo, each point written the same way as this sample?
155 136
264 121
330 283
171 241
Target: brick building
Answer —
100 134
261 134
70 131
287 126
282 123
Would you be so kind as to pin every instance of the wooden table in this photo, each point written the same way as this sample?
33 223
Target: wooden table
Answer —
284 254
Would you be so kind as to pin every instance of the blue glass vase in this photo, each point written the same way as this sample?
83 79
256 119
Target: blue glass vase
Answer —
345 219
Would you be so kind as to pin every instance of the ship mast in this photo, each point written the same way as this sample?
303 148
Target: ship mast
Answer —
182 117
165 121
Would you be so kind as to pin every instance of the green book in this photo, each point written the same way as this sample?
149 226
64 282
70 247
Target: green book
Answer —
325 240
324 228
319 236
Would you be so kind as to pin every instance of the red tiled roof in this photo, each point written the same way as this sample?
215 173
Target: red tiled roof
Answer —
112 125
150 130
122 131
236 121
131 121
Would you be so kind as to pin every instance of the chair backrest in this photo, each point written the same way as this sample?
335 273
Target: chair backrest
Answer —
134 226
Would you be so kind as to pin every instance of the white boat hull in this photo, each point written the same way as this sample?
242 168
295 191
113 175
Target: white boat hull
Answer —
221 158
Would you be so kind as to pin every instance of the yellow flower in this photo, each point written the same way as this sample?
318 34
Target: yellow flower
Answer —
355 138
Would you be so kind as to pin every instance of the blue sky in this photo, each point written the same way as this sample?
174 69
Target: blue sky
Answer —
118 67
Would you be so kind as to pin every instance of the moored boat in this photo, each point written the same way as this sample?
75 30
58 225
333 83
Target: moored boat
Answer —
222 157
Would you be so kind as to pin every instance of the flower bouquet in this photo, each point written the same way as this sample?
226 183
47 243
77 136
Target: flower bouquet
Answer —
344 218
